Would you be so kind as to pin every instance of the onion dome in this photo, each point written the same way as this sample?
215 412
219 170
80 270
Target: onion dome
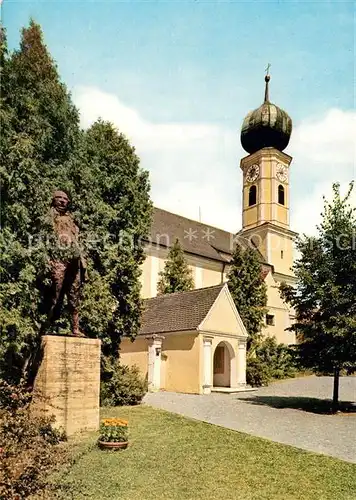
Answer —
266 127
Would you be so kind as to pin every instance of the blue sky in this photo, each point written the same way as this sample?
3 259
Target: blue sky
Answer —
195 69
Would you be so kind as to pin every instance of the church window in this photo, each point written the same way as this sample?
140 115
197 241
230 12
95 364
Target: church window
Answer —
281 194
252 196
270 319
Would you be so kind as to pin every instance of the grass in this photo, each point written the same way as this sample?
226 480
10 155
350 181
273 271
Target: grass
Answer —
174 458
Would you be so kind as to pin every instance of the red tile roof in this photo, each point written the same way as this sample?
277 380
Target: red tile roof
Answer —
178 311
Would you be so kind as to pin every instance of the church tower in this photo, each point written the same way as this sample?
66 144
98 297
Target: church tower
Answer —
266 183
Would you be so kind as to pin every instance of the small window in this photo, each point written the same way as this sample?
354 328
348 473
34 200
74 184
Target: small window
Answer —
270 319
252 196
282 254
281 194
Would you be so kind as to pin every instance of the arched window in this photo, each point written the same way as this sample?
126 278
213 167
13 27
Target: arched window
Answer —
281 194
252 196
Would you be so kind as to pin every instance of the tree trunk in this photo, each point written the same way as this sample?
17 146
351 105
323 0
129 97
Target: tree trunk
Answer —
335 405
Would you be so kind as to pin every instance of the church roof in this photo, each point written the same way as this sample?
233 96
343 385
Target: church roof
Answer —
195 237
180 311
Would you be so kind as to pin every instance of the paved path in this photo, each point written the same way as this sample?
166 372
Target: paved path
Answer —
277 412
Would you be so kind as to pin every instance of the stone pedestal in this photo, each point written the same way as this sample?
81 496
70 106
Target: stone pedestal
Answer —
68 382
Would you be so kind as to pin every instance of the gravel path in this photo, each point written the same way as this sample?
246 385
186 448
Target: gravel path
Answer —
285 412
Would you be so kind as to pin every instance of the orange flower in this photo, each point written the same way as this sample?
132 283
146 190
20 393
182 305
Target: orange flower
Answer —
119 422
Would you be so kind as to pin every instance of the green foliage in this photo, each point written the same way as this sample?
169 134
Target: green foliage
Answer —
257 372
40 129
121 385
176 276
113 430
249 291
270 360
112 205
43 149
278 357
29 449
324 298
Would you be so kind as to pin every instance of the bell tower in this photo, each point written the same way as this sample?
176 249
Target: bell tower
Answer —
265 188
266 180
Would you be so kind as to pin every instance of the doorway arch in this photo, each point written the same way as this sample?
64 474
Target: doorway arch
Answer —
224 357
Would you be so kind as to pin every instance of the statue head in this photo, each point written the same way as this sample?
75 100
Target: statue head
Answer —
60 201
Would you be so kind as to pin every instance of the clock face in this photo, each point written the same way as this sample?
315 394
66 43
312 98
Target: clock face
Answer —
282 172
252 173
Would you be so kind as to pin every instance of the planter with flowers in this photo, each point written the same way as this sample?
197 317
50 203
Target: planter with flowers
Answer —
113 433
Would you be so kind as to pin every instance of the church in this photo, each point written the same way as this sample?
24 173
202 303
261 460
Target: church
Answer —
195 342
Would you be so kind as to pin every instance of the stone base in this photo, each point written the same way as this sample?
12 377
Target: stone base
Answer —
68 382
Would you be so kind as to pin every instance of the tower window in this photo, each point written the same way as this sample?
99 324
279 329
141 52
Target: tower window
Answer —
282 254
281 194
252 196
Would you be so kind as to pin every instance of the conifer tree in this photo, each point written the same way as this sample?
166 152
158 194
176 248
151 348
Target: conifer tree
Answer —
44 149
248 290
112 205
176 276
40 130
325 295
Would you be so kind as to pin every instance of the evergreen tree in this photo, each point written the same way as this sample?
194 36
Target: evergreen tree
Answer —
44 149
39 132
325 296
248 290
112 205
176 276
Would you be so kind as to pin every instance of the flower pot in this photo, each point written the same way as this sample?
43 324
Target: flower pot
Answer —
113 446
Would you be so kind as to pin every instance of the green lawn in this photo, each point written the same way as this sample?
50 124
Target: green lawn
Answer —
175 458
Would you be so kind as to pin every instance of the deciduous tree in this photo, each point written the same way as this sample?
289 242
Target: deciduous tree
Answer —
325 296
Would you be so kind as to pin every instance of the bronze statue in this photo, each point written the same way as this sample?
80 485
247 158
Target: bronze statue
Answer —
67 271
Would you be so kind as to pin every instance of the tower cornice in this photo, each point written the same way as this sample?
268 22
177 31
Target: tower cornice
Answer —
273 228
271 153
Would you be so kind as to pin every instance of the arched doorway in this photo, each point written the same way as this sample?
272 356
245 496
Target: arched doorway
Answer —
222 367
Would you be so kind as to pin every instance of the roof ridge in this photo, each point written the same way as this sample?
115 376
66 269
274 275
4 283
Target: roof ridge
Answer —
195 221
220 285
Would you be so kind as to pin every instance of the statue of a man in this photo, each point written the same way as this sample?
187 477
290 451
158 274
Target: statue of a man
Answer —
68 269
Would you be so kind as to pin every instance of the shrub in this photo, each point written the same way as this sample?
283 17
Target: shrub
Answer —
121 385
270 360
257 372
29 445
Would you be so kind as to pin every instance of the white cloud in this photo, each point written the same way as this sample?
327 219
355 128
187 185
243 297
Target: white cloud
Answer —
196 165
191 165
324 151
330 139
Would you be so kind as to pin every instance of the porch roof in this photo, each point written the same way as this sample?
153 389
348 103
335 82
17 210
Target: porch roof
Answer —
178 311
